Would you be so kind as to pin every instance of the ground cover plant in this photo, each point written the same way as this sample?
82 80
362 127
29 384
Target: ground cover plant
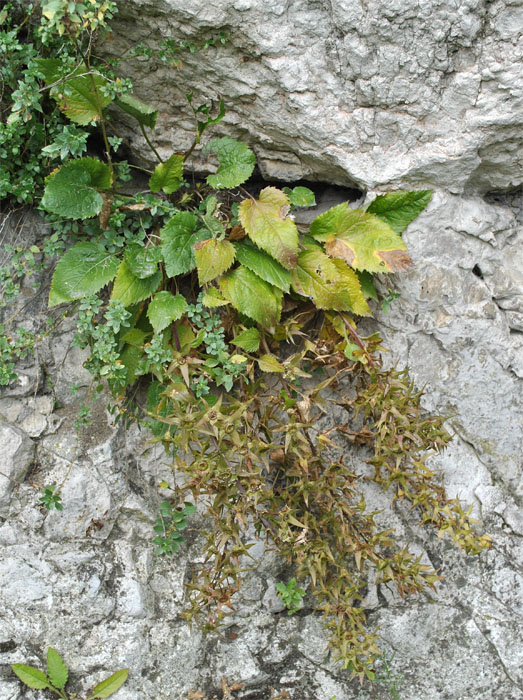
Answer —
240 327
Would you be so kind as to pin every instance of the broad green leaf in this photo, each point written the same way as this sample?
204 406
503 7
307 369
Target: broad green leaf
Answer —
268 363
83 270
252 296
165 308
56 669
143 113
264 265
109 685
143 262
212 298
130 289
237 162
367 285
213 258
266 222
398 209
130 358
72 191
178 238
80 96
167 176
300 196
328 284
361 239
248 340
135 337
32 677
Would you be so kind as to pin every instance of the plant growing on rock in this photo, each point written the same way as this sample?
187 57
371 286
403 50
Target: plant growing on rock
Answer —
57 676
243 328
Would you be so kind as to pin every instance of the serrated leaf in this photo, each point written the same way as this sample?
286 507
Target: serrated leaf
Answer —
72 191
252 296
213 298
300 196
130 358
266 223
143 262
361 239
178 237
56 669
130 289
367 285
248 340
264 265
143 113
83 270
167 176
80 101
237 162
268 363
31 677
165 308
327 283
110 685
398 209
213 258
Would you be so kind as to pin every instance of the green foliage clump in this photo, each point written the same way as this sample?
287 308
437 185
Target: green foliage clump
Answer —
243 326
57 676
291 595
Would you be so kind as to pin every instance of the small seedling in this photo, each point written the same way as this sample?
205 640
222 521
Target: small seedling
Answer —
386 677
57 676
51 498
168 525
387 301
290 595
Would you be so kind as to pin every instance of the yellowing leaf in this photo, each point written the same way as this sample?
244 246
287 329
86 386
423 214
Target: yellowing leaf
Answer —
361 239
252 296
268 363
329 284
266 222
213 258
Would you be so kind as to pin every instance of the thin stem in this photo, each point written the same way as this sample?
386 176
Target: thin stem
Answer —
150 144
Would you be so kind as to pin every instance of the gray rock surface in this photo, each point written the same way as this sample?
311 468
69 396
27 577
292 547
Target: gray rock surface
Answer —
372 93
380 95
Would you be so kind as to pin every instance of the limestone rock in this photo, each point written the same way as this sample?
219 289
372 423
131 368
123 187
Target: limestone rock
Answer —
373 94
16 456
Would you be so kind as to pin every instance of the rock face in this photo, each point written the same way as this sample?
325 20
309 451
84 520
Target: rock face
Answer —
376 94
379 95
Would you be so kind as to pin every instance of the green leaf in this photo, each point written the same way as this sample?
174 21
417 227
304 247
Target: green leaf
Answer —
361 239
237 162
83 270
135 337
252 296
300 196
143 262
178 238
143 113
110 685
328 284
130 358
56 669
165 308
72 191
398 209
213 258
264 265
248 340
32 677
268 363
212 298
367 285
130 289
266 222
167 176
